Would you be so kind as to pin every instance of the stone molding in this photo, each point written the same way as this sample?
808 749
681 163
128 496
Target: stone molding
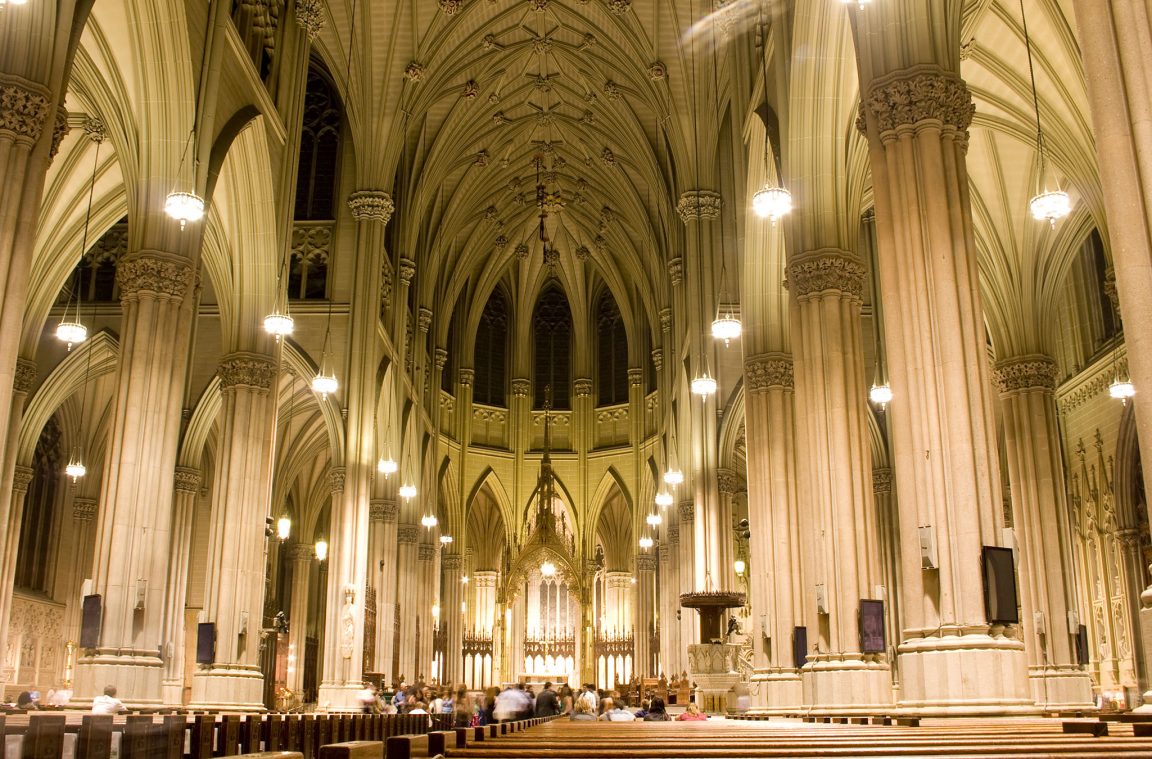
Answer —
658 359
150 273
84 509
826 271
186 480
1033 372
920 95
698 204
676 271
407 533
768 370
302 552
635 377
451 7
247 370
674 534
24 109
465 376
666 319
582 387
310 17
521 387
424 318
645 562
687 511
336 479
1111 291
882 481
21 479
729 483
407 271
451 562
425 552
60 130
440 359
26 373
371 205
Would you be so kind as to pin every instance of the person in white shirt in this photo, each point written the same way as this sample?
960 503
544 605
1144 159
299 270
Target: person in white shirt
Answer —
108 703
618 713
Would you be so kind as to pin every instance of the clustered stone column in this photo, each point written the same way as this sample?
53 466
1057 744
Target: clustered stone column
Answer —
889 563
774 568
187 490
840 518
22 478
645 621
452 616
1041 521
302 556
427 593
383 514
407 536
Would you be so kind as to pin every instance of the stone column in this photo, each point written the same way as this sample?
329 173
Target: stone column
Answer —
79 546
671 651
187 490
452 617
617 597
774 578
1119 81
302 555
21 480
383 514
889 564
237 542
407 536
484 607
841 515
134 533
728 483
916 117
1040 515
426 598
645 605
686 544
519 429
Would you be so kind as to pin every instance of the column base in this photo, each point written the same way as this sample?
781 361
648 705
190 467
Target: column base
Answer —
135 675
339 698
715 693
974 674
777 691
228 687
172 692
846 684
1061 688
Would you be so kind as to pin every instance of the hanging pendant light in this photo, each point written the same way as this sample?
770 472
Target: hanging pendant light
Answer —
547 569
673 477
726 327
429 521
704 386
653 520
772 203
387 466
407 491
325 384
184 207
1121 390
75 468
881 395
279 325
283 527
861 4
321 549
1048 205
445 539
72 331
664 500
645 542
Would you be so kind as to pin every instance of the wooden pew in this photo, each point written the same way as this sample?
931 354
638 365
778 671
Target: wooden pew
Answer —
94 740
353 750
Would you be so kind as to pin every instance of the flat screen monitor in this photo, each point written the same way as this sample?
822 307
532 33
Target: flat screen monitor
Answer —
1000 601
206 643
800 646
872 626
91 610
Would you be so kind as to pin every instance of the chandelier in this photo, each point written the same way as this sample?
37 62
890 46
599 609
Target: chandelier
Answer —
704 386
279 325
772 202
1046 205
387 466
407 491
645 542
881 395
653 520
71 332
663 499
321 549
673 477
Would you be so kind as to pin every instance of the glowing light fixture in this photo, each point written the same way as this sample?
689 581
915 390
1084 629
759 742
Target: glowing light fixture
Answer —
645 542
881 395
429 520
653 520
464 579
445 539
321 549
739 566
407 491
1046 205
325 384
548 569
184 207
704 385
664 499
387 466
726 327
71 333
1050 206
771 202
673 477
279 325
75 468
283 528
862 4
1121 390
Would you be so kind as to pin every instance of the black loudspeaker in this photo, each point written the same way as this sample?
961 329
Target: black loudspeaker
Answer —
90 615
206 643
800 646
1000 601
1082 646
872 626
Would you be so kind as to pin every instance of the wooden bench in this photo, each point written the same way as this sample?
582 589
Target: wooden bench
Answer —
1094 728
353 750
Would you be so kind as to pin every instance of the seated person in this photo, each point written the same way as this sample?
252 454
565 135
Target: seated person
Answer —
617 711
108 703
582 711
26 701
692 714
656 711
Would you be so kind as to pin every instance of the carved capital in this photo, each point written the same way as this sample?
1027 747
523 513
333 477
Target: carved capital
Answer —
451 562
645 562
826 272
186 480
687 511
22 479
658 358
582 387
310 17
407 271
882 481
674 533
83 509
407 533
302 552
635 377
676 271
695 205
169 277
729 483
25 378
440 359
465 376
60 130
665 320
371 205
919 96
24 108
1034 372
768 370
451 7
251 370
521 387
336 479
425 552
1111 291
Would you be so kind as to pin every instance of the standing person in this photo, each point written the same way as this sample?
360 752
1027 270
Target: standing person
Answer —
367 698
108 703
566 699
507 705
463 709
547 704
589 697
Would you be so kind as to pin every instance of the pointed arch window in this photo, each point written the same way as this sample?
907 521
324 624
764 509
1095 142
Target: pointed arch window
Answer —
611 352
491 358
34 554
319 148
552 344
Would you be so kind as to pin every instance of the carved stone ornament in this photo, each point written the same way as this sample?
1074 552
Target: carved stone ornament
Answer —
451 7
826 272
407 533
439 359
170 277
612 90
676 271
246 370
465 376
657 71
658 358
645 562
608 157
407 271
186 480
882 480
767 371
25 378
538 6
1035 372
471 90
371 205
59 131
425 552
310 17
921 95
665 319
698 204
1111 291
21 479
729 483
635 377
83 509
521 387
482 158
451 562
414 71
336 479
521 251
687 511
424 318
23 109
619 7
302 552
582 387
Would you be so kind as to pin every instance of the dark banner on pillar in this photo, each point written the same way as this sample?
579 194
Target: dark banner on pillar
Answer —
872 626
800 646
90 622
1000 602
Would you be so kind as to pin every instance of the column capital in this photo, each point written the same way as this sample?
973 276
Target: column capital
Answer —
676 271
674 533
687 511
26 373
407 271
698 204
666 319
60 130
24 108
241 369
729 483
156 273
645 562
582 387
768 370
635 377
521 387
371 205
383 510
922 95
451 562
83 509
882 480
310 17
440 359
407 533
424 318
22 479
336 479
826 271
186 480
302 552
1032 372
658 358
465 376
425 552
